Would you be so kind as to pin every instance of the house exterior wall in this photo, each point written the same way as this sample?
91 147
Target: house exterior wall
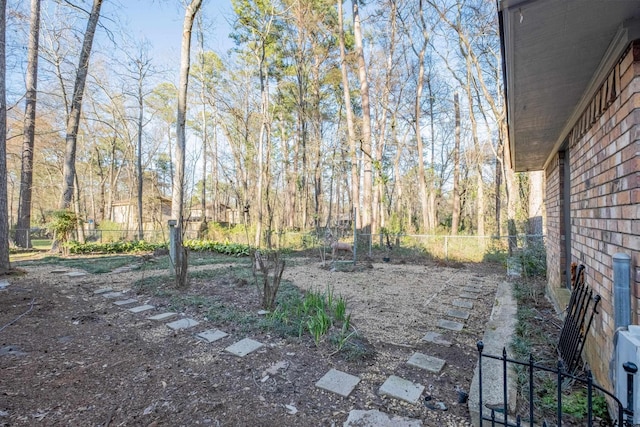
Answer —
554 203
604 156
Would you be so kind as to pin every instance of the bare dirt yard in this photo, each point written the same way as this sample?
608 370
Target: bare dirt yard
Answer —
69 357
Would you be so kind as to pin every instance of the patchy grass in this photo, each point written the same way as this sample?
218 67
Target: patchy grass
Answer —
93 265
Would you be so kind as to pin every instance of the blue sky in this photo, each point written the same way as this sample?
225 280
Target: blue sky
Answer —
161 23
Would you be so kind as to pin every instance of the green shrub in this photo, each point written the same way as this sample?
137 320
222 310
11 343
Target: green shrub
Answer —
119 247
62 224
226 248
319 314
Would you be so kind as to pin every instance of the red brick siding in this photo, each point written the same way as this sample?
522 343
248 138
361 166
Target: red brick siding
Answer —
555 227
605 201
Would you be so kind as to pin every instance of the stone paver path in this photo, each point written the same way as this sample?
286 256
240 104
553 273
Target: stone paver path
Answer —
401 389
141 308
244 347
468 295
428 363
183 324
338 382
458 314
113 295
126 301
76 274
212 335
163 316
335 381
462 304
450 325
436 338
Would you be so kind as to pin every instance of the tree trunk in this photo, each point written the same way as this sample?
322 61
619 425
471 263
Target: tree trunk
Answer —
367 181
140 181
73 121
351 133
78 211
264 126
178 180
455 215
177 204
431 191
4 212
417 109
26 174
498 190
479 156
203 194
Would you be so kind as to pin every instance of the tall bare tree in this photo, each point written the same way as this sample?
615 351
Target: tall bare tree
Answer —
179 180
26 174
139 68
4 213
367 182
455 215
420 51
73 122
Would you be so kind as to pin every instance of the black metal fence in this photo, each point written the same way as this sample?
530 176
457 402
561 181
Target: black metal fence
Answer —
499 415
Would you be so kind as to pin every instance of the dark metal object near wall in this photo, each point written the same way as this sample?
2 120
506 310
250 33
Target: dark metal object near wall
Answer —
582 308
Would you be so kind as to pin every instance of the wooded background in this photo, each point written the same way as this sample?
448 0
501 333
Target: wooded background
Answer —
392 109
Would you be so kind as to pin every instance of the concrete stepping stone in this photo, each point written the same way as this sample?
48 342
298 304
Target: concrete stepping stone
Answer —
338 382
458 314
450 325
113 295
468 295
428 363
375 418
244 347
436 338
462 304
183 324
402 389
141 308
212 335
163 316
472 289
102 291
76 274
126 301
59 271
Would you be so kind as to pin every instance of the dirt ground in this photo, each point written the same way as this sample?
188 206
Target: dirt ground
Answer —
69 357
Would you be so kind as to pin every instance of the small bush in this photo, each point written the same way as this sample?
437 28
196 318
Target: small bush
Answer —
62 224
226 248
118 247
319 314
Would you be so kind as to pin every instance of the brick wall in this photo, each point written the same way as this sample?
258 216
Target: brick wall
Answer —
605 200
555 228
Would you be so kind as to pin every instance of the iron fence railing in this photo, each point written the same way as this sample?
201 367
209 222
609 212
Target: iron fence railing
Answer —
499 415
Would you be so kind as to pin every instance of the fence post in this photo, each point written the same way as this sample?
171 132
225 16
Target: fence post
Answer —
630 368
446 247
622 289
355 235
172 244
